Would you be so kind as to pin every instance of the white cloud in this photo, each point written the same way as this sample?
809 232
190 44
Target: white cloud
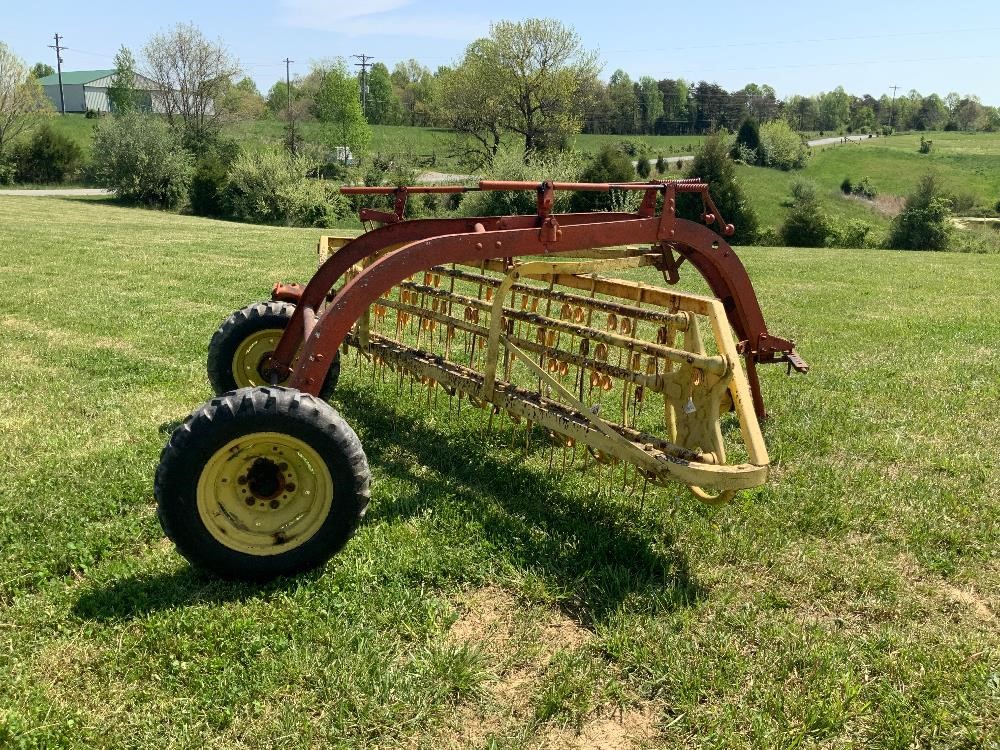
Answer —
378 18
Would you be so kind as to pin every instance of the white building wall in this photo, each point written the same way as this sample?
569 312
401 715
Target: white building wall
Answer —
96 99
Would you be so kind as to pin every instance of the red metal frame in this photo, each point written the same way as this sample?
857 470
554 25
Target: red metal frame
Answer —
429 242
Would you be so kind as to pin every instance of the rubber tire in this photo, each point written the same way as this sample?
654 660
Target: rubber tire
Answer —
234 331
245 411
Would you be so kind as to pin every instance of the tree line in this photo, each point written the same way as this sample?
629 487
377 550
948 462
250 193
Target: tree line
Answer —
413 94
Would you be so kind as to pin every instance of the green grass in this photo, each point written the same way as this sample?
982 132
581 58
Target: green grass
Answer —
485 602
967 163
421 142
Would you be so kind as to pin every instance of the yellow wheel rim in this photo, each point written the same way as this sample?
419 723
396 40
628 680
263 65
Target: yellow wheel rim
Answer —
251 354
264 493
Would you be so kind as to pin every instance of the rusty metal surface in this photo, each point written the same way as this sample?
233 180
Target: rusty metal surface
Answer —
423 243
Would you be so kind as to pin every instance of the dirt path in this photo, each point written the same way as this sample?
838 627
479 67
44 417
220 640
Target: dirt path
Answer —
57 191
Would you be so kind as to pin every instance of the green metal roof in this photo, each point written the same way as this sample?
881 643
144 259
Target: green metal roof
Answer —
75 77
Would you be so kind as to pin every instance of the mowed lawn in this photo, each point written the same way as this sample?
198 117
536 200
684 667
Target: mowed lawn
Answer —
487 602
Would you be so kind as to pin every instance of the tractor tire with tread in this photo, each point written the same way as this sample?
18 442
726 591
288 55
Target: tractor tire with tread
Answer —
257 326
231 508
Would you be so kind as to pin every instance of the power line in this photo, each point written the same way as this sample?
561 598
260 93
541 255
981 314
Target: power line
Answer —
59 61
892 106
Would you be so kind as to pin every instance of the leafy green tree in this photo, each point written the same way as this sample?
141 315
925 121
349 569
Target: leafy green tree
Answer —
337 106
625 110
834 109
122 91
650 103
277 98
609 165
536 71
802 112
479 131
48 157
21 98
242 100
383 104
192 74
749 137
923 222
41 70
781 147
417 88
141 160
932 113
713 165
806 224
675 105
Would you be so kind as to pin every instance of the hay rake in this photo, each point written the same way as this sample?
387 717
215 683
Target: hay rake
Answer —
520 315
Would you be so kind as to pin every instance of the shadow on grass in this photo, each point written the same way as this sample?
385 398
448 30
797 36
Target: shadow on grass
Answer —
143 593
167 428
595 552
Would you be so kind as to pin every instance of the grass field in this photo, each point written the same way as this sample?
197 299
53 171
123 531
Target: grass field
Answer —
389 139
965 162
485 602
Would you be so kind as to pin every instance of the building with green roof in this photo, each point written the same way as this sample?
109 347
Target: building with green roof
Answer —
85 90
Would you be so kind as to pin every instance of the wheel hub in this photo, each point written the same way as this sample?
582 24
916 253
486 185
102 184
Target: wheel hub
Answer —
264 493
265 479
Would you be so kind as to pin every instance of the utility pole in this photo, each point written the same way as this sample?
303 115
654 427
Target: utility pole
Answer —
288 104
364 80
892 106
59 49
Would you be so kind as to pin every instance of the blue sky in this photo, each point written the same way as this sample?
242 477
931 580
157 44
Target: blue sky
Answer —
795 47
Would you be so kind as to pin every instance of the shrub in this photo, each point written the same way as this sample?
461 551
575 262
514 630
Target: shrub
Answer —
748 146
847 187
951 126
980 240
925 145
853 233
923 223
886 130
803 190
713 165
865 188
7 172
141 160
608 166
207 194
962 203
509 164
768 237
661 165
744 154
997 207
806 225
48 157
781 147
642 168
633 147
273 187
